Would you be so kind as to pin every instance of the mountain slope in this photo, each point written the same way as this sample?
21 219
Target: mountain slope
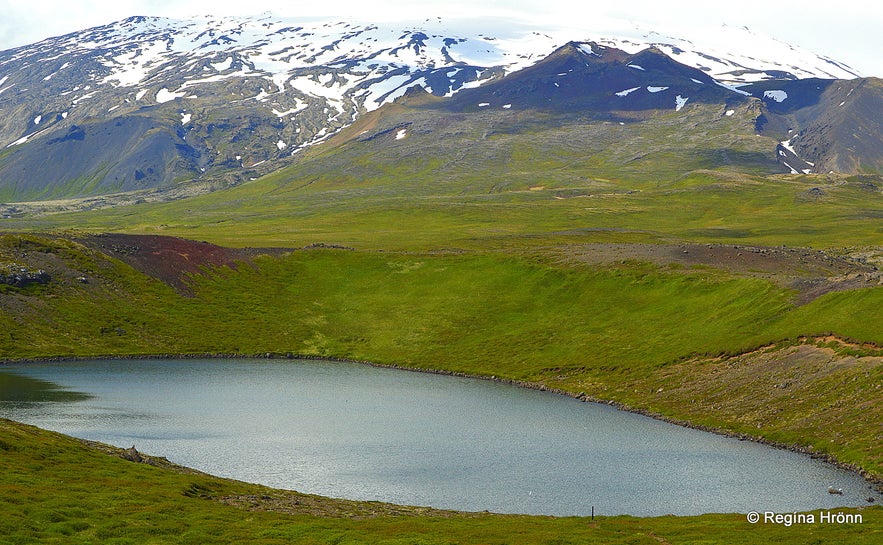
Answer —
121 154
824 125
189 105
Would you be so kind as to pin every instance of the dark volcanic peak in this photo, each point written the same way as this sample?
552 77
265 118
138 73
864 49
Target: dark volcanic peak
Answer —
597 77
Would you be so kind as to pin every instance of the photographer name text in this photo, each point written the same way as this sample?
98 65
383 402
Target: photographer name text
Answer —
790 519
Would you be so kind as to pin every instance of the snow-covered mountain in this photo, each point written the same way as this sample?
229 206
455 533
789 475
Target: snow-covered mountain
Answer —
222 98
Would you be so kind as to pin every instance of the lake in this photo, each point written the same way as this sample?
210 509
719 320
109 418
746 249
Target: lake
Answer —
360 432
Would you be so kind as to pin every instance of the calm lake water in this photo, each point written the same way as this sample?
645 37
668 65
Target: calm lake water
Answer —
359 432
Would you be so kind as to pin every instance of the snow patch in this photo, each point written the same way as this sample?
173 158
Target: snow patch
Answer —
788 145
21 140
213 79
38 119
729 113
299 107
656 89
401 134
76 101
778 95
140 94
24 139
164 95
185 118
280 80
587 49
506 106
134 64
626 92
379 93
263 96
636 67
483 104
224 65
680 102
694 80
281 145
733 88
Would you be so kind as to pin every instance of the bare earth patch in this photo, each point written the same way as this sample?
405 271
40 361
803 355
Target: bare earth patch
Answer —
811 272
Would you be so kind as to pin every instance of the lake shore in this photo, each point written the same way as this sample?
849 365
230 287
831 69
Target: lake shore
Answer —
873 480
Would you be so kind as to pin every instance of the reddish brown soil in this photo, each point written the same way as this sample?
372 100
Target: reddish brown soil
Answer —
172 259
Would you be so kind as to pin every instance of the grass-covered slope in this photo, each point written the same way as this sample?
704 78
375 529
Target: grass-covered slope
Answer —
418 171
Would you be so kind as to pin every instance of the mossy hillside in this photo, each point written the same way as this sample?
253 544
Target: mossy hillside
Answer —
489 314
91 303
478 313
58 490
482 179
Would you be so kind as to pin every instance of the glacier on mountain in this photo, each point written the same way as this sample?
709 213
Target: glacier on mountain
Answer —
299 82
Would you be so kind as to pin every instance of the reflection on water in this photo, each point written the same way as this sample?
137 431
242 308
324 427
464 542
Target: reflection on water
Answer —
353 431
21 389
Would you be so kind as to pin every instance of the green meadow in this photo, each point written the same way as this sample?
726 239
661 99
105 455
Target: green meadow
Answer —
711 207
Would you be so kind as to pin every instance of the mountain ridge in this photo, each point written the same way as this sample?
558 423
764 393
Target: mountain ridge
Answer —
223 101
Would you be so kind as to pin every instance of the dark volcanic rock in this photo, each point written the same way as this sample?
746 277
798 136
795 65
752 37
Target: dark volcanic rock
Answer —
21 276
